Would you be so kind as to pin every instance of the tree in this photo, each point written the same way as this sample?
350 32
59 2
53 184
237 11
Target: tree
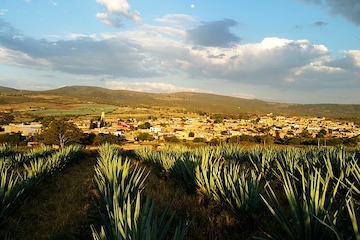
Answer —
88 138
62 133
45 121
12 138
305 134
191 134
146 125
171 139
105 138
6 118
199 140
321 133
145 137
214 142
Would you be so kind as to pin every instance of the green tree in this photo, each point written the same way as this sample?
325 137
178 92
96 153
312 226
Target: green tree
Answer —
145 137
294 141
199 140
214 142
62 133
88 138
12 138
45 121
105 138
321 133
191 134
146 125
305 134
6 118
171 139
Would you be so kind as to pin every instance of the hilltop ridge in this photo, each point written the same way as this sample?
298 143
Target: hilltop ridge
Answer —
190 101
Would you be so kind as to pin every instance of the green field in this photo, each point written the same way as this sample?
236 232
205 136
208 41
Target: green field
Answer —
78 111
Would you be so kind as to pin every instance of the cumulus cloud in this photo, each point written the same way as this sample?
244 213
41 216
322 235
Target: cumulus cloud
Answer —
349 9
266 63
156 87
105 19
119 8
215 34
149 52
350 61
118 57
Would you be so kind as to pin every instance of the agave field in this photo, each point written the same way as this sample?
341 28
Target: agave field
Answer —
269 192
21 173
309 193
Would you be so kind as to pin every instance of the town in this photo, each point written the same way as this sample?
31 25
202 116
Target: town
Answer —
208 128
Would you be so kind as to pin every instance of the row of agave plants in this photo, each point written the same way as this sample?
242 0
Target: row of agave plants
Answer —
18 179
124 214
15 160
311 193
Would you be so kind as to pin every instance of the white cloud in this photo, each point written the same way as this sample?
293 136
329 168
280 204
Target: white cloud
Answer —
20 59
157 87
355 55
161 52
3 11
121 8
53 3
105 19
177 20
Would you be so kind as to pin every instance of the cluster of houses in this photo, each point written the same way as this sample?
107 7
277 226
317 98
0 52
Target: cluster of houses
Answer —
189 128
276 126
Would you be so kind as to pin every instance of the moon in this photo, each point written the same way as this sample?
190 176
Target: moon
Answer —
192 5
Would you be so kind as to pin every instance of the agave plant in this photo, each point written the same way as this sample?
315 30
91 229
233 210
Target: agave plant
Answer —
183 171
239 190
311 214
124 217
10 191
5 150
354 216
234 153
206 173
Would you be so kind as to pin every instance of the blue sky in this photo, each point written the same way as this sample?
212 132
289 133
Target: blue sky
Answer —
301 51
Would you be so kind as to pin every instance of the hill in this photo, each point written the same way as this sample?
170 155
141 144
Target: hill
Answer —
6 89
189 101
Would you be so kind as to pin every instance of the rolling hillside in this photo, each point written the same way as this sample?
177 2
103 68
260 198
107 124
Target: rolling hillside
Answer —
200 102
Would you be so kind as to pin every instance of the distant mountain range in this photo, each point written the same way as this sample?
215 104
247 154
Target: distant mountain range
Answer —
190 101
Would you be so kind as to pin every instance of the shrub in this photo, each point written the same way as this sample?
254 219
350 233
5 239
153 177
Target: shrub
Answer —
171 139
199 140
145 137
